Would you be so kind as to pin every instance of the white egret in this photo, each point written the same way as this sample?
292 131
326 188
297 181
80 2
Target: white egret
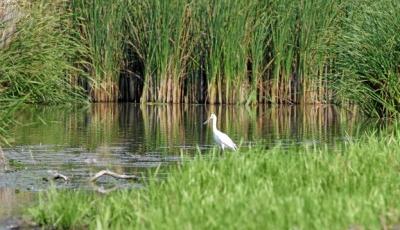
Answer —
219 137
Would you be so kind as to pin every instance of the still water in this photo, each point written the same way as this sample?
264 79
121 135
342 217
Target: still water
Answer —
132 138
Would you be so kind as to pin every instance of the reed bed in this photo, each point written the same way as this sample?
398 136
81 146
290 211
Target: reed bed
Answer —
38 64
247 52
37 53
368 55
216 52
101 31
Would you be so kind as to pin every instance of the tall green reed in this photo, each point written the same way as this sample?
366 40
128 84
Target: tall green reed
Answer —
102 30
300 34
249 52
225 49
38 63
209 52
161 36
38 59
368 53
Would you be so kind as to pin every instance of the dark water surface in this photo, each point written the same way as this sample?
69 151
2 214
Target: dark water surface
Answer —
131 138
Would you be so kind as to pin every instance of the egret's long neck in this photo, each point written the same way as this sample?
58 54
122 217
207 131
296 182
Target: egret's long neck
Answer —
214 124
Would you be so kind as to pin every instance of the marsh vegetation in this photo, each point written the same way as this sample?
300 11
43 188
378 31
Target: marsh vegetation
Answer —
307 188
248 55
285 52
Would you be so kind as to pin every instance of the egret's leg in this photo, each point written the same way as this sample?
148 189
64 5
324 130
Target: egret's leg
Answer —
221 149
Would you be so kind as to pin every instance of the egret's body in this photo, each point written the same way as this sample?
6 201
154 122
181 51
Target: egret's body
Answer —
223 140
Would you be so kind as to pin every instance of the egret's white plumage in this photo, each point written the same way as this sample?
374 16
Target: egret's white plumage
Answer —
223 140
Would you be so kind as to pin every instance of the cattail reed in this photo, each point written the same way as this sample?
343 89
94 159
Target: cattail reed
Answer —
215 52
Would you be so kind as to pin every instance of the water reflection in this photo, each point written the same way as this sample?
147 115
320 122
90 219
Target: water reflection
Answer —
147 128
12 202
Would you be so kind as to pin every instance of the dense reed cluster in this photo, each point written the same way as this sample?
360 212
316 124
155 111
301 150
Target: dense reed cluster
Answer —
368 57
38 65
186 51
219 52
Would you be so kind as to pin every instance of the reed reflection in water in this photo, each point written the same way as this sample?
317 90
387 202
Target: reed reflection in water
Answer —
150 128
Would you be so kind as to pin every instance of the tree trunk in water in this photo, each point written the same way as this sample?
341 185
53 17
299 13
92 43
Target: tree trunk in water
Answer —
9 15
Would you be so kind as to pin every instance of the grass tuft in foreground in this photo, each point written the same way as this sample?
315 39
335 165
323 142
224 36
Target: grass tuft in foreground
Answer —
307 188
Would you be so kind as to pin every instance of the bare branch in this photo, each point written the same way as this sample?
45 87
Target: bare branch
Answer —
113 174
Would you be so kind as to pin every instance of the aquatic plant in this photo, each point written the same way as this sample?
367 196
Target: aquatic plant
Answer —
164 44
368 55
101 31
38 60
285 52
38 64
218 52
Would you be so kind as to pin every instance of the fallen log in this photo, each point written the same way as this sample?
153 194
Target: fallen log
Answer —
113 174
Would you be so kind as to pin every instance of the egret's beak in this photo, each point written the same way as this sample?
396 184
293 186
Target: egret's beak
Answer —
206 121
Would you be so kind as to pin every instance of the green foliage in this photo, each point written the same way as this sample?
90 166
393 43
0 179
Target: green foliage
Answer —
206 52
70 215
38 61
368 57
248 52
160 33
102 30
38 64
306 188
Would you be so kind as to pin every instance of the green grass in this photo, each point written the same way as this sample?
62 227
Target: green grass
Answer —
368 53
304 188
38 64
